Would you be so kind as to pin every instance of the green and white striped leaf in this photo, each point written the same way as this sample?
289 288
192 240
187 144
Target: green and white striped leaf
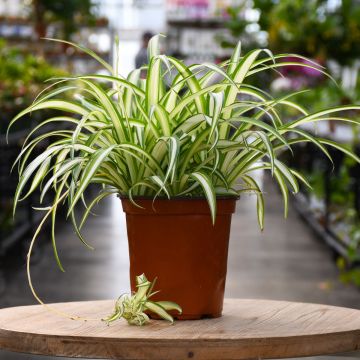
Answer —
154 46
249 180
206 183
89 171
86 51
169 306
284 190
40 174
30 170
158 310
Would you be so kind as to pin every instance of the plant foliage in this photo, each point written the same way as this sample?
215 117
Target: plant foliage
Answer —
197 130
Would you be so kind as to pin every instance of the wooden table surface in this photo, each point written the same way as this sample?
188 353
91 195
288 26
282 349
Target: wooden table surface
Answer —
248 329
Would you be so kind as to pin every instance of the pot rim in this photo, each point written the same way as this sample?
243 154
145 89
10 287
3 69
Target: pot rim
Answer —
174 198
178 206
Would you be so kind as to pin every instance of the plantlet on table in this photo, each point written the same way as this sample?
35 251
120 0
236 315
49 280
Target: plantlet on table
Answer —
132 307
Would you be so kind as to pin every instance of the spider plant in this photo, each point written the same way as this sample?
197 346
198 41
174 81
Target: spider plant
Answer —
198 130
132 308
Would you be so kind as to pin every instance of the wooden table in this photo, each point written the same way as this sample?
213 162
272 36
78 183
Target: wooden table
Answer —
249 329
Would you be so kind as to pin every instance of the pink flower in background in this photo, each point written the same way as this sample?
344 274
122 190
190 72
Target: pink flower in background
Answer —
296 77
293 70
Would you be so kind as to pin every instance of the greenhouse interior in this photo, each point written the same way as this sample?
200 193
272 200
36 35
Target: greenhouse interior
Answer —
122 118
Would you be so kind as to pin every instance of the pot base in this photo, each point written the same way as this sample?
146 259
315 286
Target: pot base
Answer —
187 316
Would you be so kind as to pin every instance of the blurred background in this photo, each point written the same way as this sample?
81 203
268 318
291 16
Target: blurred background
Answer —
312 257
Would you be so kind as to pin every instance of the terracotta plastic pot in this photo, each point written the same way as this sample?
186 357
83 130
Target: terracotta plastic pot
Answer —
175 241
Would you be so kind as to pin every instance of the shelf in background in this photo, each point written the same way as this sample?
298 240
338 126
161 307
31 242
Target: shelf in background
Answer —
326 233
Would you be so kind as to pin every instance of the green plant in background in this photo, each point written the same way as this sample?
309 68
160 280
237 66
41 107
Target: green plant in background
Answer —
68 12
238 26
148 137
340 193
316 180
323 29
132 308
22 76
349 269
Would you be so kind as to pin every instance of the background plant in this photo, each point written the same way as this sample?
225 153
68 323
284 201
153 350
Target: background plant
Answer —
22 77
68 12
322 31
238 26
176 133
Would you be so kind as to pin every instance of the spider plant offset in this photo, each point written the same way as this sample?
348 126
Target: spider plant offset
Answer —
132 308
183 131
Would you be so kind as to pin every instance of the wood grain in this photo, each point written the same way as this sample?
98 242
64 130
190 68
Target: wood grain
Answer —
249 329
